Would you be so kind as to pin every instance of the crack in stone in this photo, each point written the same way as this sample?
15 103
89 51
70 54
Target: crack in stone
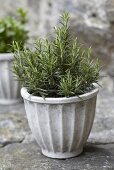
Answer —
10 142
103 143
21 141
99 144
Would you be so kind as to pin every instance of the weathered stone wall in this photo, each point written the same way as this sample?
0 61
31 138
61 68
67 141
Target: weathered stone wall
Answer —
91 21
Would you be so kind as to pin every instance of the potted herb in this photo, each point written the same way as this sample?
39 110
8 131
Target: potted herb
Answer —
58 90
10 29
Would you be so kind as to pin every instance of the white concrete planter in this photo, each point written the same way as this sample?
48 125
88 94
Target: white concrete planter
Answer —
9 87
61 126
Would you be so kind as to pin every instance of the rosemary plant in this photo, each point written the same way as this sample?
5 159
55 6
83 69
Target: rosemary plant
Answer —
13 28
57 68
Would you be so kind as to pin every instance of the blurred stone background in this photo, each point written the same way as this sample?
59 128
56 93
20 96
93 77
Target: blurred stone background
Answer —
91 21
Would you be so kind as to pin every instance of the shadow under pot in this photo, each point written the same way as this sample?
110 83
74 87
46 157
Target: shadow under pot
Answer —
60 126
9 86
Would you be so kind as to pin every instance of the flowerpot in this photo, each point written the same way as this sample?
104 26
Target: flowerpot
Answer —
9 87
61 126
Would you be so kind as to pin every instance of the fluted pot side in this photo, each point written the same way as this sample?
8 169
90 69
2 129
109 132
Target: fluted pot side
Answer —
61 128
9 86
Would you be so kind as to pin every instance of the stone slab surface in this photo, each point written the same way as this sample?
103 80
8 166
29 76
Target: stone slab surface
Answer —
103 127
91 22
13 124
28 157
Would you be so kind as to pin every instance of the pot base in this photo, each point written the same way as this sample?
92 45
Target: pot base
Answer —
64 155
9 101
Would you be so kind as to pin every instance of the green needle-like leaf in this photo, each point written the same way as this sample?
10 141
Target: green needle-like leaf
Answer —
56 68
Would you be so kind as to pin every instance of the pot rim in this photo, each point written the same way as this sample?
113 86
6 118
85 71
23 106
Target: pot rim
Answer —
6 56
60 100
